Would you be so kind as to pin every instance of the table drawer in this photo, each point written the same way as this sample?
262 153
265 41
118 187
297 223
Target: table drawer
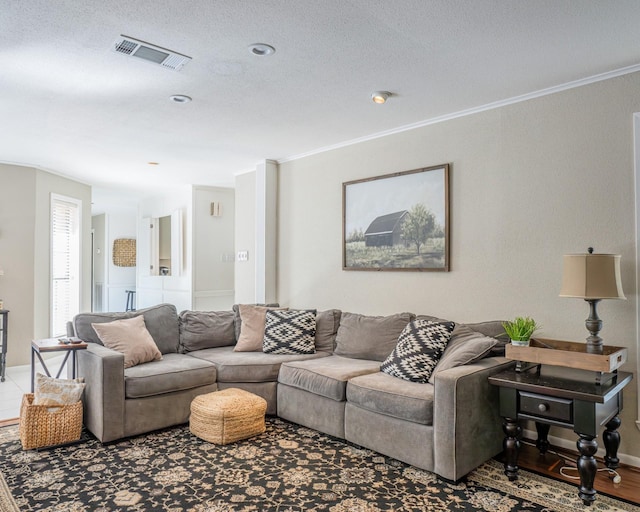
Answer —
559 409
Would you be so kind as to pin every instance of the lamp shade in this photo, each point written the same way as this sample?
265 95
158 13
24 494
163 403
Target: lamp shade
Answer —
591 276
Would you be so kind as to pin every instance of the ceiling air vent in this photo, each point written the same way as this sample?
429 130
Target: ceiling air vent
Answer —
145 51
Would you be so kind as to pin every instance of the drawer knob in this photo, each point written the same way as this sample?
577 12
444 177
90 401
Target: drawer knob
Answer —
543 407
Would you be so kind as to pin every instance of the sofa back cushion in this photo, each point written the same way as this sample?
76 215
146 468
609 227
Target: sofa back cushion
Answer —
327 323
161 322
206 329
369 337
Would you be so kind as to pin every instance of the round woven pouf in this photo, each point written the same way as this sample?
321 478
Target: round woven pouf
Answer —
226 416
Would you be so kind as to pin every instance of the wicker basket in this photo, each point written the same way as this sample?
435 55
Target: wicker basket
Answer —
223 417
49 425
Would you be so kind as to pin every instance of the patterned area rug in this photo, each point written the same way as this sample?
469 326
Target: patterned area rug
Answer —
287 469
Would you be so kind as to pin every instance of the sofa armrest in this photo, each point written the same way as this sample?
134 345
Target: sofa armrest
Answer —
103 372
467 427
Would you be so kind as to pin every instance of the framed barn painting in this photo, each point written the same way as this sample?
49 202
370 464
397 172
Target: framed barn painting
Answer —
397 222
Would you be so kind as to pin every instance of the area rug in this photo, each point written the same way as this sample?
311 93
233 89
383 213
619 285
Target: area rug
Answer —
287 469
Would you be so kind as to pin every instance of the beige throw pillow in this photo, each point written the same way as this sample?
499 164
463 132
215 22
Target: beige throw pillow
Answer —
252 330
129 336
51 391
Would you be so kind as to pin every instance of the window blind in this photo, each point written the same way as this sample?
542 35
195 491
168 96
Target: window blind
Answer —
65 263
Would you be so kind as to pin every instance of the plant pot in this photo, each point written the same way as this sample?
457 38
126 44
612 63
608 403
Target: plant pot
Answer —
520 343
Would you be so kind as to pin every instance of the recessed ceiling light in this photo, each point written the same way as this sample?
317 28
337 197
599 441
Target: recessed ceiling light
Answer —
380 97
180 98
261 49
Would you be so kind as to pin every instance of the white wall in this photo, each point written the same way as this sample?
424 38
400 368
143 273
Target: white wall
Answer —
529 182
118 279
245 237
213 249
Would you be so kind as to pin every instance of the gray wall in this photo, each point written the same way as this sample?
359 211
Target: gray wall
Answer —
25 229
529 182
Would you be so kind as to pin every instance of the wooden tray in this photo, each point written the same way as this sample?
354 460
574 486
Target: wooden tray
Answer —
569 354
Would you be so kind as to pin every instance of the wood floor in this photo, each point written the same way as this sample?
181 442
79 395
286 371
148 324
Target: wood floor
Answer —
549 464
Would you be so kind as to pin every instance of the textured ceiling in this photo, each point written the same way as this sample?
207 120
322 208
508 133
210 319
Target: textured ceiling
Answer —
70 105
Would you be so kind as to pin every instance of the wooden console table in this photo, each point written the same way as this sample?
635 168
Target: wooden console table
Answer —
4 326
568 398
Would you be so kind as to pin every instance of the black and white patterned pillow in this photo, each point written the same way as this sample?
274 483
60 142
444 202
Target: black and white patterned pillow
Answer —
418 351
290 331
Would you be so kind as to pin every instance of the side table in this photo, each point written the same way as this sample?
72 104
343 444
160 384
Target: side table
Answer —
568 398
4 326
54 345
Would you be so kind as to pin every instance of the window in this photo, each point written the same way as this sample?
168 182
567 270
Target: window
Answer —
65 261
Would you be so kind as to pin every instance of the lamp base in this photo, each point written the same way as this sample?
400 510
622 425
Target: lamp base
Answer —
594 326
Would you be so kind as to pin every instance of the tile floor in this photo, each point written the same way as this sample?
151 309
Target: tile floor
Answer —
17 383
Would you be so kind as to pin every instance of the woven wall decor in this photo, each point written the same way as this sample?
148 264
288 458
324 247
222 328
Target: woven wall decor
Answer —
124 252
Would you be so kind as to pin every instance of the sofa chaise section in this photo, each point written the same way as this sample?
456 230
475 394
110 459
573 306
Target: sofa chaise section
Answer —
313 393
449 427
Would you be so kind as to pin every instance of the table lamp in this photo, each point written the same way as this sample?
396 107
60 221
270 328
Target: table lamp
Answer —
592 277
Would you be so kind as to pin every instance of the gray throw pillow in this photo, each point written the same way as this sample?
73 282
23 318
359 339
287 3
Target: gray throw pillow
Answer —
493 329
466 346
206 329
369 337
419 348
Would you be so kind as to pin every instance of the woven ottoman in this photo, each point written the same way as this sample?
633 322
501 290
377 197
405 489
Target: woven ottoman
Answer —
226 416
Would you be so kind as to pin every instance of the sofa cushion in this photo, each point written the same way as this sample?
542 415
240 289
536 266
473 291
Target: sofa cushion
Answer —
248 366
176 372
466 346
161 322
252 328
419 349
369 337
382 393
206 329
327 323
130 337
291 331
327 376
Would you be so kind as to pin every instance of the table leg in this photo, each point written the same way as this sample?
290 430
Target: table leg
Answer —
587 467
64 361
3 365
611 439
542 443
511 445
33 368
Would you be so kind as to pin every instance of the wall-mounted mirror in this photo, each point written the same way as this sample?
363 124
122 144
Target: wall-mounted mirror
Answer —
165 247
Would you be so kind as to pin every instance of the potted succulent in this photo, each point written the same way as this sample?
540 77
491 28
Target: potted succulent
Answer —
520 330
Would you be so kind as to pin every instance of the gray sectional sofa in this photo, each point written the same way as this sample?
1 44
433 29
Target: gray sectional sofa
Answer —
449 425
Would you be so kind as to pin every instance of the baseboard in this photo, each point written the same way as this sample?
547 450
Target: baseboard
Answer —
567 444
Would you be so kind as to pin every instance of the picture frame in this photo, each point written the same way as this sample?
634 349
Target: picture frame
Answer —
397 222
